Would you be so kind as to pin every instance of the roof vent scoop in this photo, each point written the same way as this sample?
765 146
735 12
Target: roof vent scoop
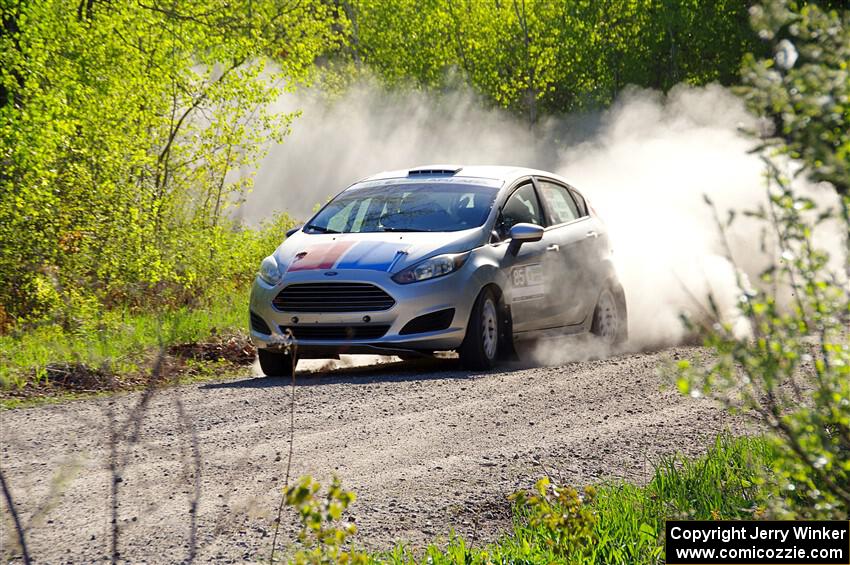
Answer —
434 170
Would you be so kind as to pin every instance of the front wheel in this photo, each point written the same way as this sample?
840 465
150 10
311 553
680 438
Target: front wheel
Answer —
276 363
481 345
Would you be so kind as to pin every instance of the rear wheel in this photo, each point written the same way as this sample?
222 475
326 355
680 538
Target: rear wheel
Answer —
276 363
609 319
480 347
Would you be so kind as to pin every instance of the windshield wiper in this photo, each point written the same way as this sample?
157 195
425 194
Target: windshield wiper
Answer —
386 228
321 229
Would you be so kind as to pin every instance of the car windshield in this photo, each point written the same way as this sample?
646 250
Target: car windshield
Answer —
406 206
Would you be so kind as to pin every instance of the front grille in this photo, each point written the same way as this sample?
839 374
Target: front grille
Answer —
259 325
337 333
332 297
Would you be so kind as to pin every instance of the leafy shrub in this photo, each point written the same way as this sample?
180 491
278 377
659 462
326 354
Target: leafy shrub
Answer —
566 518
322 535
793 371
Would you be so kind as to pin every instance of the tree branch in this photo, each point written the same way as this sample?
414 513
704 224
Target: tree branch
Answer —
22 541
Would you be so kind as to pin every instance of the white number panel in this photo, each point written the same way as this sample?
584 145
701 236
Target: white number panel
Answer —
527 283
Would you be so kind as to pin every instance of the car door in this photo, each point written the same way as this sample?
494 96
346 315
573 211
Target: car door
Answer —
597 235
527 270
573 241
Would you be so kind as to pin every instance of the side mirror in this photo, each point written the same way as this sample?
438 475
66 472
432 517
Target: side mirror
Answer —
524 233
291 231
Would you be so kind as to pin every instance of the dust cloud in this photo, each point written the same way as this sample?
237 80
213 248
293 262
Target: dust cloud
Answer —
646 165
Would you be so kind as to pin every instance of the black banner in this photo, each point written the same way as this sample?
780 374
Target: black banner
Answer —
758 542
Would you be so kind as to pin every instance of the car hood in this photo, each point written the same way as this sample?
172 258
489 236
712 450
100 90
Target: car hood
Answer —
382 251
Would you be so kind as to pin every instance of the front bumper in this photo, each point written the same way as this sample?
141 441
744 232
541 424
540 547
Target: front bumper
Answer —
456 290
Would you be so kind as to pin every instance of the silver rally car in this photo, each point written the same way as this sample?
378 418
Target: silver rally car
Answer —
438 258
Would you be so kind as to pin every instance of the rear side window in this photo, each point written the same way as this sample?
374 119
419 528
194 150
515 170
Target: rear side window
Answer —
582 205
559 203
522 207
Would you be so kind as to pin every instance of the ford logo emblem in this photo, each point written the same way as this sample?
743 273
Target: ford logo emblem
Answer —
331 273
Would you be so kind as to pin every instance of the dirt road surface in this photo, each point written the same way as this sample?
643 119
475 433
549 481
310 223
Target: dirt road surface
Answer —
426 446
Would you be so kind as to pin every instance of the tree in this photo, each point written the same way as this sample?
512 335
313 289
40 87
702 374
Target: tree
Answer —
120 122
537 57
804 90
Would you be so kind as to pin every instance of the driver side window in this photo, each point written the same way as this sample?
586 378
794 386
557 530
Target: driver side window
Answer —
522 207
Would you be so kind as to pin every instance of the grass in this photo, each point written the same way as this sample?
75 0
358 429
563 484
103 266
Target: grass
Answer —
193 372
119 340
628 527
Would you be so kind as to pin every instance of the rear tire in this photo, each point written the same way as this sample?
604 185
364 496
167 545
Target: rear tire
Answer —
480 347
610 324
276 363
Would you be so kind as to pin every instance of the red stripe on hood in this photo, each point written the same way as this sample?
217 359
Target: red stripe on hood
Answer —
322 256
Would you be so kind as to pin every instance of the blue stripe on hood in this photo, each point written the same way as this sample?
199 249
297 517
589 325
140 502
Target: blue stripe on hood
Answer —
375 256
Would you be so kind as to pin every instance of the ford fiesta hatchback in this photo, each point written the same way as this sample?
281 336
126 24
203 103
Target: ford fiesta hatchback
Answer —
438 258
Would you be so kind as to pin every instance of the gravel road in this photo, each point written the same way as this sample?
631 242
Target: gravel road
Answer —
425 445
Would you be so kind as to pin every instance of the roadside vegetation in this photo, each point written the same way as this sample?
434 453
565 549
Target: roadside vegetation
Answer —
791 370
124 350
122 125
610 523
624 523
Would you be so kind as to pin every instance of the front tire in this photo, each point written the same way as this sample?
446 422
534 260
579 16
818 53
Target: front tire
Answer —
276 363
480 347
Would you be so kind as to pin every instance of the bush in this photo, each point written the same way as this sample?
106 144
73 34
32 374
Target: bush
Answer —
793 370
322 535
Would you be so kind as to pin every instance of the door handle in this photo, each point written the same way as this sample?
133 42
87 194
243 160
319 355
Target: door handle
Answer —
591 234
553 247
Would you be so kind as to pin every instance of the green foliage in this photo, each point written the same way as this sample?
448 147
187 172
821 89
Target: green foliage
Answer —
725 484
322 535
119 339
566 518
539 57
793 371
123 128
624 523
125 336
804 90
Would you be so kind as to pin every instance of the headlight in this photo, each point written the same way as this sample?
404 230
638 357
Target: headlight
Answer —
269 271
431 268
